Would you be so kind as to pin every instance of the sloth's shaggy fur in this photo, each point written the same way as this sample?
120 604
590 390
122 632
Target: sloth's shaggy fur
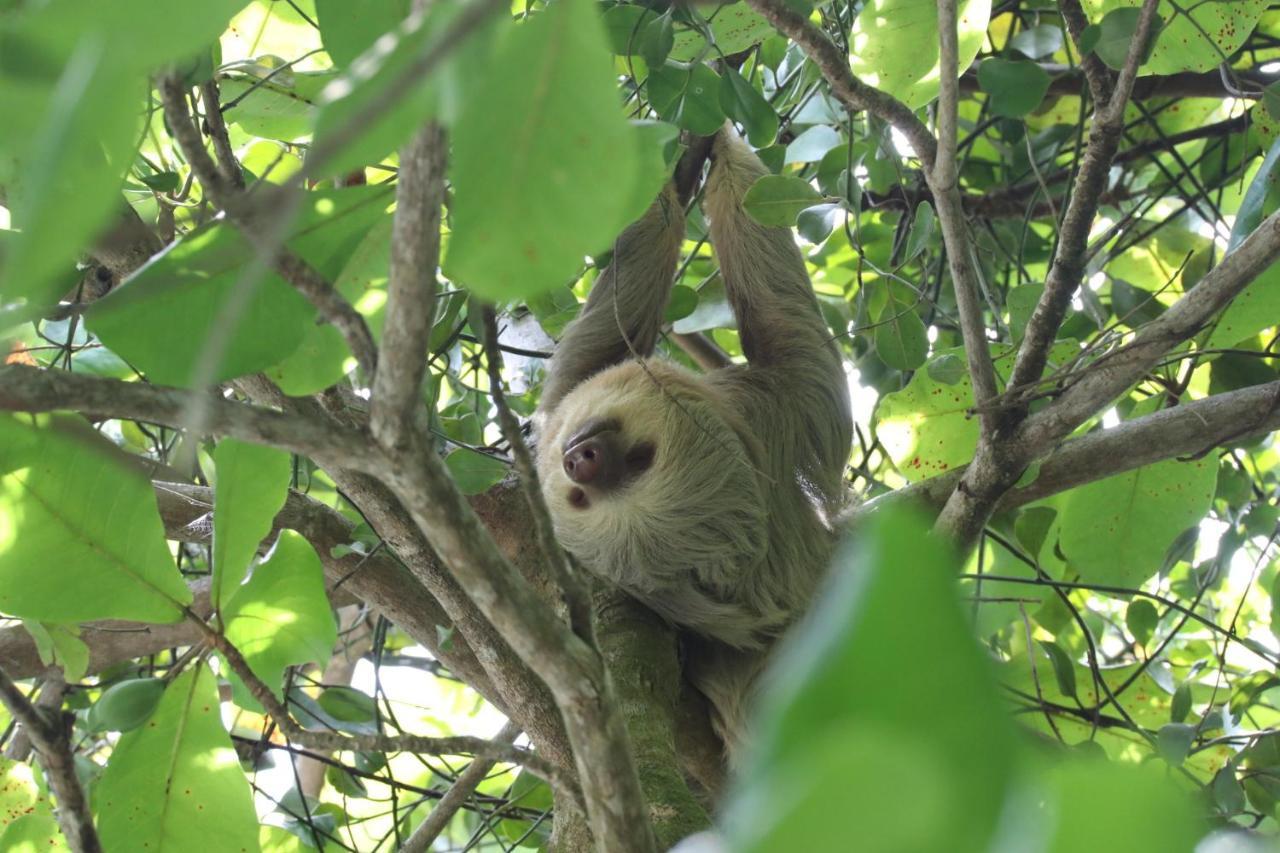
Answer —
727 532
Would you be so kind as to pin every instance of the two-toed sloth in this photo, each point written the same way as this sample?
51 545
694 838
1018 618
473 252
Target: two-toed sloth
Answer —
706 496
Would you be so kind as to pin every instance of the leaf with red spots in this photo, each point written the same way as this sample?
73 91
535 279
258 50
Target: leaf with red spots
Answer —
176 783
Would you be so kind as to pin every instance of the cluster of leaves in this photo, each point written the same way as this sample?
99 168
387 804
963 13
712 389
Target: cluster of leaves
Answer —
1133 613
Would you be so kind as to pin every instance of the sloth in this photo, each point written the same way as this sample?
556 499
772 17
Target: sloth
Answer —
708 497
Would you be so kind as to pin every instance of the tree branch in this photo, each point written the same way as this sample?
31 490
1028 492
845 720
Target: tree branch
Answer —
1188 429
411 287
944 180
265 231
462 788
30 389
1068 264
51 736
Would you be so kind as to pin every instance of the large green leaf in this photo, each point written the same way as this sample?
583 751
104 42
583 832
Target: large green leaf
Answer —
175 783
1214 31
279 105
734 27
444 91
348 27
323 358
72 86
925 427
545 167
252 484
80 537
894 45
844 738
1116 531
163 318
67 144
282 617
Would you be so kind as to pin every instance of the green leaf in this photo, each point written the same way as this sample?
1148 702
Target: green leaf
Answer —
1016 87
775 200
544 174
1180 707
822 714
64 146
1064 670
947 369
1197 36
901 339
60 645
925 427
474 472
813 145
163 317
1271 99
1021 302
742 103
689 99
1116 531
34 832
1115 35
251 486
816 223
921 231
322 359
625 26
176 783
1089 39
1101 805
348 705
894 45
348 27
1141 618
1038 42
735 27
442 94
682 303
533 794
1174 742
657 40
19 795
125 705
135 34
1227 792
282 617
274 105
80 538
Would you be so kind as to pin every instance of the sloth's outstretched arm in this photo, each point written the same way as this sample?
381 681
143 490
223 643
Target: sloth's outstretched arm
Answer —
624 311
796 379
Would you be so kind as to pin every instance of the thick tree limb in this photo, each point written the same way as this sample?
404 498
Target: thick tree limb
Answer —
1185 430
572 670
411 287
1067 81
1114 372
30 389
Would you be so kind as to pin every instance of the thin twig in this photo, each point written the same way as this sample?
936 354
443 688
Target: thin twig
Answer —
562 572
462 788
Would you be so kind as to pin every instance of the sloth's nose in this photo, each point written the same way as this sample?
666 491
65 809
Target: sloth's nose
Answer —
584 461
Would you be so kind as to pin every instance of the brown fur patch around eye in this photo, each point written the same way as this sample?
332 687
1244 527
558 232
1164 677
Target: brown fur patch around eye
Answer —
640 458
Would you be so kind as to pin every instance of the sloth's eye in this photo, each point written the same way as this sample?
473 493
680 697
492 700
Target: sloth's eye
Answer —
640 458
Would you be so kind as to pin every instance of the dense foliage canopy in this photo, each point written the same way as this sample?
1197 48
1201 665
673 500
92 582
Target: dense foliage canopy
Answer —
1043 234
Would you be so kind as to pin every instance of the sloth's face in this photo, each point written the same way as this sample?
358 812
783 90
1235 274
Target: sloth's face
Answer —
645 463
